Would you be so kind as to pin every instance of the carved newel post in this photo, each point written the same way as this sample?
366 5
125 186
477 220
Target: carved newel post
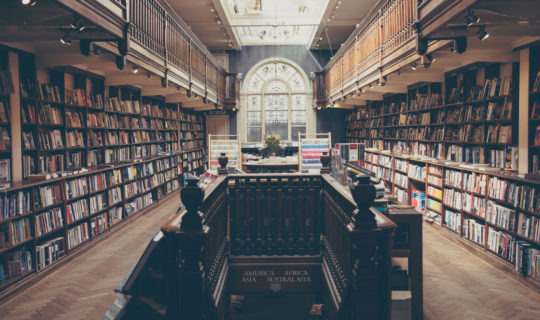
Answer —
370 254
363 194
223 160
190 242
192 196
325 160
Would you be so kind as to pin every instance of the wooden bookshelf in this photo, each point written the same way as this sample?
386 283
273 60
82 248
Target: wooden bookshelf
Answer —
116 156
470 119
494 209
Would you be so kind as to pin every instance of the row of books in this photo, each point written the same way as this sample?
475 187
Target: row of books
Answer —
50 140
527 260
6 82
452 220
98 202
528 226
500 216
49 221
50 115
473 204
417 172
5 140
138 204
49 195
4 110
15 204
77 235
74 119
49 252
474 231
125 106
17 264
502 243
520 196
492 88
99 224
20 230
77 210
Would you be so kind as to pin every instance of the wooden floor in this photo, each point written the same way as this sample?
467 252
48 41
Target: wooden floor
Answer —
457 283
83 287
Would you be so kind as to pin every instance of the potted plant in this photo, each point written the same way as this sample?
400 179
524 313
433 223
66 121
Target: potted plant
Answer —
272 142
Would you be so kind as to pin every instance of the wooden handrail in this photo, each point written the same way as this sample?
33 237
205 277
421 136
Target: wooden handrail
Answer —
389 25
280 214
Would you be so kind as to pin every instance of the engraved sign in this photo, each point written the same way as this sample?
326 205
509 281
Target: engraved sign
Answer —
275 278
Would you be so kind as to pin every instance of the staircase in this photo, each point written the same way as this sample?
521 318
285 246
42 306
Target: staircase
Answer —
264 236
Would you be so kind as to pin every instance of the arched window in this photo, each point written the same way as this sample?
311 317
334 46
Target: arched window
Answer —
276 102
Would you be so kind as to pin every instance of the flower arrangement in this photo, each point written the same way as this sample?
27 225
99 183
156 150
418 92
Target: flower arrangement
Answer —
272 142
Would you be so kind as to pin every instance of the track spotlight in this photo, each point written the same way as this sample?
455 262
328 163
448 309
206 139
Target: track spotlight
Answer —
471 19
77 25
29 3
66 40
382 81
135 69
482 34
414 66
149 75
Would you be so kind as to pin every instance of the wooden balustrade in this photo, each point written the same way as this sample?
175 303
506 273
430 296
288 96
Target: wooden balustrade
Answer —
389 28
198 249
279 215
177 45
151 31
355 246
274 214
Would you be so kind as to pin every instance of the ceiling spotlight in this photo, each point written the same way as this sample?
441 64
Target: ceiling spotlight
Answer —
135 69
398 73
363 89
382 81
482 34
77 25
219 22
339 2
471 19
357 25
149 75
66 40
212 10
29 3
414 66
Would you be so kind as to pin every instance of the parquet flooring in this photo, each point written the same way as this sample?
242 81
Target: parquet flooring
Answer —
83 287
458 284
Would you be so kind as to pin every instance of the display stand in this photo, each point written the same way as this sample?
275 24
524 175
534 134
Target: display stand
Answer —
228 144
310 149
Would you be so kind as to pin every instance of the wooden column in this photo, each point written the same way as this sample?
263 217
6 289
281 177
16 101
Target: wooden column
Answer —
523 142
15 120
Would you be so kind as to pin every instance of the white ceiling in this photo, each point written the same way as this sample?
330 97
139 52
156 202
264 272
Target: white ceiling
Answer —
328 22
274 22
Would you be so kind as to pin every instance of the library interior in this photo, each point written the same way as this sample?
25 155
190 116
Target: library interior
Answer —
269 159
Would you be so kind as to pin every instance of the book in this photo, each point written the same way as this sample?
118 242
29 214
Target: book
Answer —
536 87
4 111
